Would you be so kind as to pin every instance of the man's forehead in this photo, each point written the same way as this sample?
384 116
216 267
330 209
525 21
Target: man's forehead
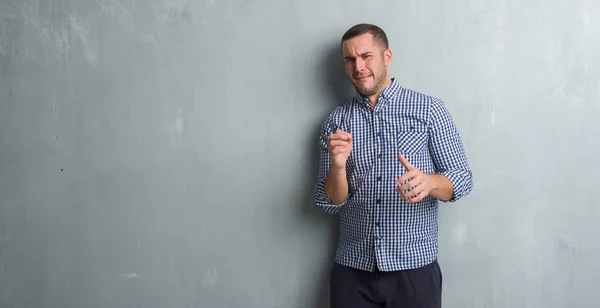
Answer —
359 49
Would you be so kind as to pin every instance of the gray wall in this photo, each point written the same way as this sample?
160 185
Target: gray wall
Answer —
162 153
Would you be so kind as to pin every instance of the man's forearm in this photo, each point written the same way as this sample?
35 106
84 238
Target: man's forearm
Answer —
336 185
442 187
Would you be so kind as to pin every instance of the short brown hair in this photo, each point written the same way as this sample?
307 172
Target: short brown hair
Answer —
360 29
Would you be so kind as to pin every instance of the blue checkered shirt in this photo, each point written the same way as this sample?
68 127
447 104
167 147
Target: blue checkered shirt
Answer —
377 227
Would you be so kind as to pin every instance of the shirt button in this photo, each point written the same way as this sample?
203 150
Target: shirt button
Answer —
378 179
377 224
379 155
379 134
378 201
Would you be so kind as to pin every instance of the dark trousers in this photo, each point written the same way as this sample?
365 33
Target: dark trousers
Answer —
414 288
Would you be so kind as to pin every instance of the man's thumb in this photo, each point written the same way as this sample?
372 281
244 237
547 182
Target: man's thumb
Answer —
405 162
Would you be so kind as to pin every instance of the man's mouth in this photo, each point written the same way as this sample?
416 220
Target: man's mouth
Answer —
362 77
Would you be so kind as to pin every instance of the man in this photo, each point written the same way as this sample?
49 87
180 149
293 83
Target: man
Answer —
387 158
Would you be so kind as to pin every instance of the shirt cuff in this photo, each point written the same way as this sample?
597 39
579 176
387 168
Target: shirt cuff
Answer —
462 183
323 201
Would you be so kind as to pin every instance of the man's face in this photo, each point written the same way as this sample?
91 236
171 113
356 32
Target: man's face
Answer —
366 63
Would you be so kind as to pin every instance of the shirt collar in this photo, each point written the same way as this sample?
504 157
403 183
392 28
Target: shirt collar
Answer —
388 94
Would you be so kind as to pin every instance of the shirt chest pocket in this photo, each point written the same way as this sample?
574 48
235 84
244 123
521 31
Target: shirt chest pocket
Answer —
411 138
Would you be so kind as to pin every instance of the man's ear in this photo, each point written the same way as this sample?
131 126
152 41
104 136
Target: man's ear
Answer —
387 56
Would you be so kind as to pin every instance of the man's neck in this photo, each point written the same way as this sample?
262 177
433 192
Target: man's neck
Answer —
373 99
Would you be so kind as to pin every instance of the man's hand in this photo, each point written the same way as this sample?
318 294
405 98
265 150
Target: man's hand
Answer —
419 186
422 184
339 146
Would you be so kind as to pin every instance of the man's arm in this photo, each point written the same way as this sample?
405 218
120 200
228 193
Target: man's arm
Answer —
454 178
442 187
336 185
332 191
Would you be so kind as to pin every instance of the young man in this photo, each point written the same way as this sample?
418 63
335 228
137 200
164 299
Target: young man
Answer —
387 158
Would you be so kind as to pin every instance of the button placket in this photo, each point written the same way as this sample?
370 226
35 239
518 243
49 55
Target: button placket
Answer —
378 184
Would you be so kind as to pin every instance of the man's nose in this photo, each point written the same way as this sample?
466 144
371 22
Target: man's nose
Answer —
359 64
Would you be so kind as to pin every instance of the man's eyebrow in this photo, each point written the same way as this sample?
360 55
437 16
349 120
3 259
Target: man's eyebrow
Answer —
362 55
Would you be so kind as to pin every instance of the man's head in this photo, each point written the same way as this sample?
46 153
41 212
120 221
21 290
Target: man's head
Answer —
366 57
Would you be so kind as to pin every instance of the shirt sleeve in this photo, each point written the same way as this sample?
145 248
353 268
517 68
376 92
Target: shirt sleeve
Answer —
329 126
447 151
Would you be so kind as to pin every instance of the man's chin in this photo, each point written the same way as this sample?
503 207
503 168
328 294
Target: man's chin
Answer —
364 91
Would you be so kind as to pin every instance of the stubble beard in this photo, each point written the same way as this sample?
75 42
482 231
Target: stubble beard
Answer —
379 81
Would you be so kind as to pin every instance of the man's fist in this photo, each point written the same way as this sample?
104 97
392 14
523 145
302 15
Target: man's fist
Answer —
339 146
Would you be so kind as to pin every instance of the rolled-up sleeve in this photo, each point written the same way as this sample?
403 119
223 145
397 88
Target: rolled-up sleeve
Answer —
329 126
448 152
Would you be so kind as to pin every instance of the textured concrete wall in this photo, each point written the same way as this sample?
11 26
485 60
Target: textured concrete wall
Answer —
162 153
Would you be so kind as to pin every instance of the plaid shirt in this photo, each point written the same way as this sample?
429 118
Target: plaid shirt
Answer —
377 227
